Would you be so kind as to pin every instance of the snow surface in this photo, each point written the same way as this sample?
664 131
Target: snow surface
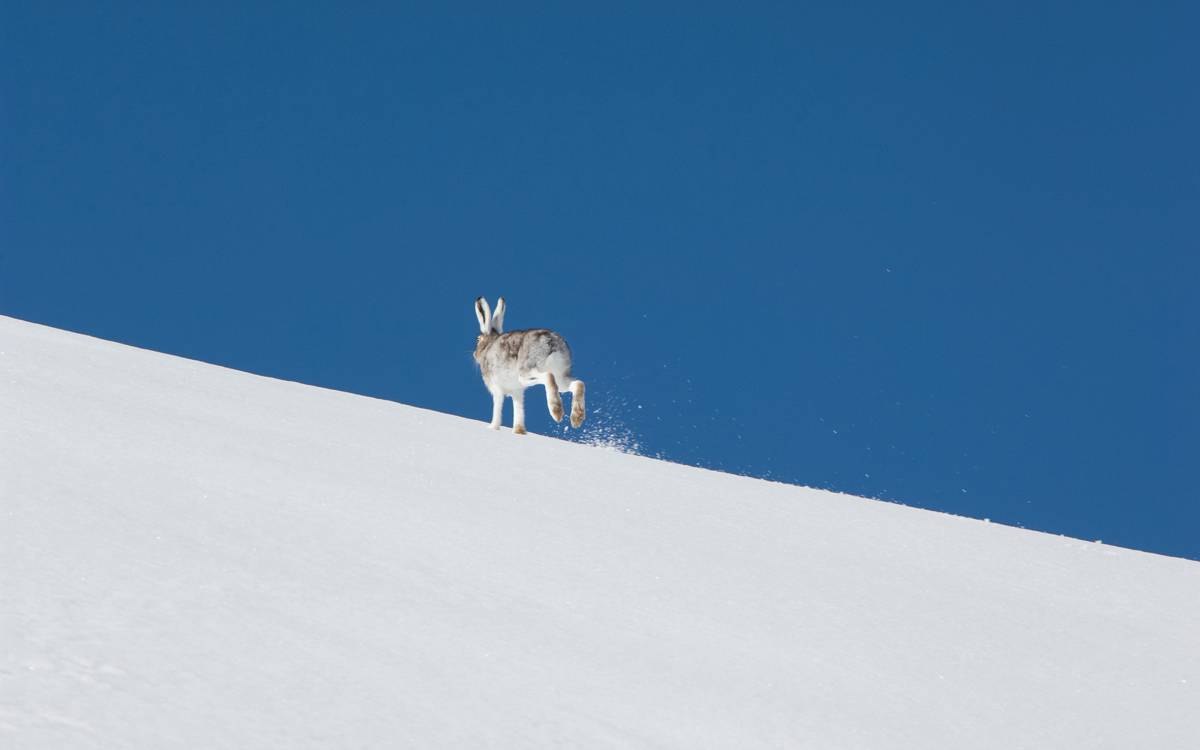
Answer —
196 557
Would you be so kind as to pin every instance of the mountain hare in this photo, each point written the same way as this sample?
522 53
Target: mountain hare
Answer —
511 362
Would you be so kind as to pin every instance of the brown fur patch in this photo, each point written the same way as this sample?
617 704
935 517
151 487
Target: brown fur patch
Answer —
510 346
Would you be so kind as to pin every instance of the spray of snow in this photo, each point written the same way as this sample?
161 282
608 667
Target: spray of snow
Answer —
606 426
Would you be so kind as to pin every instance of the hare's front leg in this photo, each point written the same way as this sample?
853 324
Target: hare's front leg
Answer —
497 409
518 398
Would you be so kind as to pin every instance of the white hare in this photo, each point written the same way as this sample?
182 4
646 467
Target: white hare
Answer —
511 362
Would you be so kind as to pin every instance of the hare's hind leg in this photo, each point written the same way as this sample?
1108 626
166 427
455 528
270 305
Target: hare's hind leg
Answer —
553 400
578 412
578 408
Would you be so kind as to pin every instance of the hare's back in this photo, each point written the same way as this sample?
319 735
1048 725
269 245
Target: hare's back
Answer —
531 348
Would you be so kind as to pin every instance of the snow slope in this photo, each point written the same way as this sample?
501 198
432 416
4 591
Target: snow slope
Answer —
195 557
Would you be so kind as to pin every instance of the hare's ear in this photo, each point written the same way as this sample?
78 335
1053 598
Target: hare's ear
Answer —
484 313
498 317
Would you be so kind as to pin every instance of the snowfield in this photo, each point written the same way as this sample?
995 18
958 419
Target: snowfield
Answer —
194 557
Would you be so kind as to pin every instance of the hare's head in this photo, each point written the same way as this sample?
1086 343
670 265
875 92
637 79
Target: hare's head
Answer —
491 324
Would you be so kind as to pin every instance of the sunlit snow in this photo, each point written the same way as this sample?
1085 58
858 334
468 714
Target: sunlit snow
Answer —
194 557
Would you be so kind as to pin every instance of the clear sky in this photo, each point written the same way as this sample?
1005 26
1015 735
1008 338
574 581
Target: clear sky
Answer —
945 255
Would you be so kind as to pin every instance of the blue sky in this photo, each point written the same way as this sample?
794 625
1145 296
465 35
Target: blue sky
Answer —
940 255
